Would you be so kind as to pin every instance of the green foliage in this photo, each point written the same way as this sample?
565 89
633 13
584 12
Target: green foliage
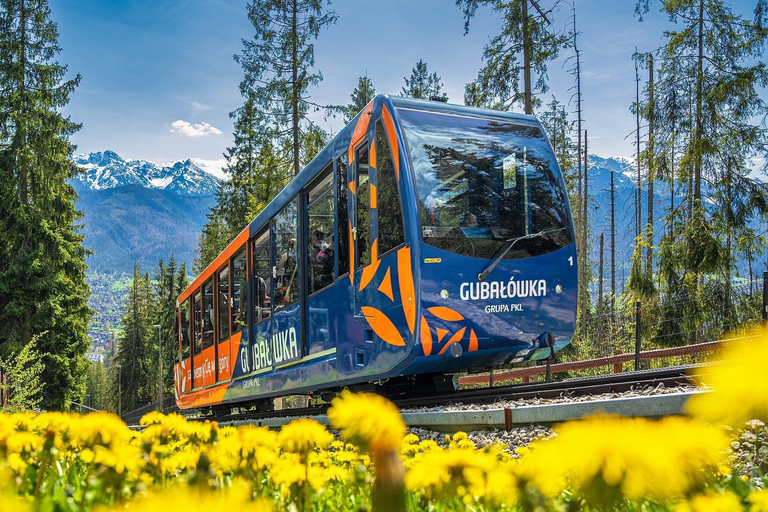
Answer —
22 384
42 259
527 31
423 85
134 345
96 389
278 62
168 285
559 129
708 95
273 134
363 93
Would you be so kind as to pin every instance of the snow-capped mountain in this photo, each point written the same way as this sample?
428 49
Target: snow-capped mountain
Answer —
105 170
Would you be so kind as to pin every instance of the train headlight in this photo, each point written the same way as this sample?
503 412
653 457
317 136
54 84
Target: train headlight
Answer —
444 293
558 289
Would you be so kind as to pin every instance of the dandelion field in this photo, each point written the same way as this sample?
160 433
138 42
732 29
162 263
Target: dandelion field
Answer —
710 460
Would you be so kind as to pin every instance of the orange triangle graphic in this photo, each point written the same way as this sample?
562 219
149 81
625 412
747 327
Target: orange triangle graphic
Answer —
386 286
441 334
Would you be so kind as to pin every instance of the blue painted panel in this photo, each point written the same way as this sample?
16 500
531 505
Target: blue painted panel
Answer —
321 325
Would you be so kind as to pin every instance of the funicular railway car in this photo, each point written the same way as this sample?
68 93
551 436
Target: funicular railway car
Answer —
425 239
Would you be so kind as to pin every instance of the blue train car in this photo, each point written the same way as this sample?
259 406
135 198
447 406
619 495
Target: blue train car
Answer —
425 239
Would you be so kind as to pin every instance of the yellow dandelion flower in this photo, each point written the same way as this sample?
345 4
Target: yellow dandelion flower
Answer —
14 503
100 429
639 458
738 396
183 499
758 500
368 420
302 435
428 445
411 439
455 472
719 502
459 436
24 443
287 471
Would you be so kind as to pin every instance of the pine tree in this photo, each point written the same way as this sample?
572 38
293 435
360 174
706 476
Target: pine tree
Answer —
526 32
96 390
363 93
278 64
558 129
707 94
135 342
423 85
43 293
163 312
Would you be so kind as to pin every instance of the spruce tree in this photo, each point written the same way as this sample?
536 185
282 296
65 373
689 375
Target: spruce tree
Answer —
43 293
527 31
163 313
363 93
278 63
423 85
134 352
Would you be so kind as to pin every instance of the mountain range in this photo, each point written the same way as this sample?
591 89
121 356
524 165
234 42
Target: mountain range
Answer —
136 210
107 170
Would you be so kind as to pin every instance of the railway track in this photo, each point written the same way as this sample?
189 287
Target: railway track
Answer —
571 388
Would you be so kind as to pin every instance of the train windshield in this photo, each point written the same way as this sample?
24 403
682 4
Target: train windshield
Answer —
485 184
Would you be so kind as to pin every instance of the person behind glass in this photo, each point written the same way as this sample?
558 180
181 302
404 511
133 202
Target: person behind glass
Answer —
318 242
286 271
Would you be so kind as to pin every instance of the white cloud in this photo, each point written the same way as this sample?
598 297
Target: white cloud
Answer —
194 129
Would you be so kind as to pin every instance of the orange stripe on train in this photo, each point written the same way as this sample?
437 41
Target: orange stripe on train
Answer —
389 125
407 287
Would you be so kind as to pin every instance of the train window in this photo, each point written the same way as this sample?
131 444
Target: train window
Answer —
184 329
223 305
363 247
320 235
239 292
342 208
198 312
262 278
390 233
483 183
286 252
208 314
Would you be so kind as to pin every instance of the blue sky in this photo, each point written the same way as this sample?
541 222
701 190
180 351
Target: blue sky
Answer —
159 80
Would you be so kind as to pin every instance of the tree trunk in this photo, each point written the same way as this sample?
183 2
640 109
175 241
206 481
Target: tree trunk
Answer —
613 246
295 99
698 135
527 49
651 165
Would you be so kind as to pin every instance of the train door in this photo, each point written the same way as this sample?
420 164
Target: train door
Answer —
197 338
184 376
363 192
261 347
286 280
320 298
224 341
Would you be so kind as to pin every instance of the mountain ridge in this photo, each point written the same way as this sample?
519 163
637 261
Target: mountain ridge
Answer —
107 170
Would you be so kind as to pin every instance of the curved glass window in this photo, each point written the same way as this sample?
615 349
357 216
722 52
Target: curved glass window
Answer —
485 185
